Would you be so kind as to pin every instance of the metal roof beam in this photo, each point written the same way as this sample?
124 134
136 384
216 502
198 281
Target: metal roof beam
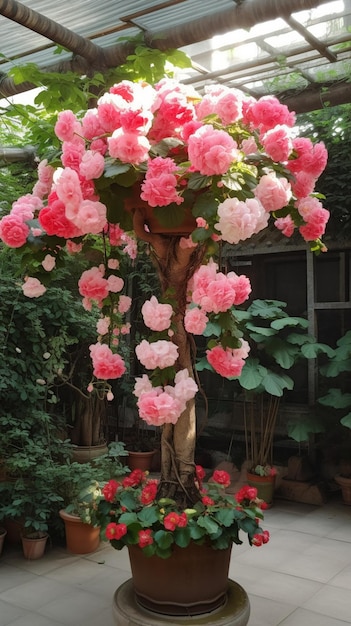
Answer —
18 12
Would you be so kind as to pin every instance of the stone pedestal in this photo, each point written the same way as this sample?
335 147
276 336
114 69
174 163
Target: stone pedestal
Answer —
234 612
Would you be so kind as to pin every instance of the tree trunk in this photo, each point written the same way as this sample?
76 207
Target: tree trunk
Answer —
175 267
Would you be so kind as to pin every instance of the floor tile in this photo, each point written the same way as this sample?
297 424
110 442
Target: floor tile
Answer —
283 588
343 579
264 612
331 601
34 594
76 608
301 617
9 612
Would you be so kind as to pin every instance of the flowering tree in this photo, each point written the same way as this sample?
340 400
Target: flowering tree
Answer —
216 168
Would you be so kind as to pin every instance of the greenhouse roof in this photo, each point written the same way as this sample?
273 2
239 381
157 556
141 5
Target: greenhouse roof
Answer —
299 50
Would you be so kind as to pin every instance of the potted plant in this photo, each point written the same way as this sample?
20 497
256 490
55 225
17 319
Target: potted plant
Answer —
167 147
277 341
153 529
80 491
31 502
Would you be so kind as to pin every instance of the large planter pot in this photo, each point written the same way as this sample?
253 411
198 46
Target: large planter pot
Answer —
345 484
3 534
140 460
192 581
80 538
84 454
33 545
265 486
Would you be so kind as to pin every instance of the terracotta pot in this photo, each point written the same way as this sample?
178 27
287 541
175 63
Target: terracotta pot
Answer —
80 538
34 545
345 484
140 460
3 534
84 454
265 486
192 581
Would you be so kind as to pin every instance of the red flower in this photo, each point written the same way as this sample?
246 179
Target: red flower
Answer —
246 493
109 490
183 520
145 538
200 473
260 538
115 531
148 494
207 501
170 521
134 479
221 477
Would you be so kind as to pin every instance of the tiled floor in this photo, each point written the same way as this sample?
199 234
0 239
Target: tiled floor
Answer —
301 578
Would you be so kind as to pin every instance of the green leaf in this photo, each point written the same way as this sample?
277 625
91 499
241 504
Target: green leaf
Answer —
148 515
163 538
225 516
311 350
128 518
182 537
289 321
208 524
336 399
346 420
252 374
275 383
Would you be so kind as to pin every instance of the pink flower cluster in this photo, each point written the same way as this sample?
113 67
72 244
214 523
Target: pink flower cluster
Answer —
163 405
228 362
215 292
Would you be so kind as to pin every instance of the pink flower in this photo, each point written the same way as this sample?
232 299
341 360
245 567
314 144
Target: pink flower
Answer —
67 126
224 101
54 221
115 531
89 216
221 477
274 193
227 362
115 283
106 365
68 189
267 113
157 354
211 151
93 285
315 216
103 325
285 225
156 316
311 158
128 147
145 538
159 185
124 304
32 288
72 153
278 143
49 262
158 407
185 387
303 184
92 164
13 230
240 220
195 321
